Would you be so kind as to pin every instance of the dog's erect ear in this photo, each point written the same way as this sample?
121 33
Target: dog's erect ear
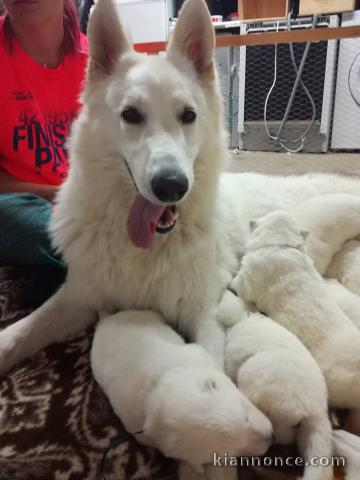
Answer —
194 36
107 40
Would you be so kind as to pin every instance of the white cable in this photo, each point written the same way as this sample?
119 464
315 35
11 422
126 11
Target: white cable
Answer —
308 94
271 88
283 141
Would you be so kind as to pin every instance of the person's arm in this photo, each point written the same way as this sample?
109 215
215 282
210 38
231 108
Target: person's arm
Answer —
10 184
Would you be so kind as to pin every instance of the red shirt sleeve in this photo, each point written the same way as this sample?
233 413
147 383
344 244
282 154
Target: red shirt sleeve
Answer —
38 106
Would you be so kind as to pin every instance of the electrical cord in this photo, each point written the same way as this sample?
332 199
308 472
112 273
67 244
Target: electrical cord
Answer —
284 142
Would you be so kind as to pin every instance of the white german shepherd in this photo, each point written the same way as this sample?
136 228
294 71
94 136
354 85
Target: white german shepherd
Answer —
145 220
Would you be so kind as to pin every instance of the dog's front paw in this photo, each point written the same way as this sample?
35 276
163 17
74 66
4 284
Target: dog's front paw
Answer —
9 349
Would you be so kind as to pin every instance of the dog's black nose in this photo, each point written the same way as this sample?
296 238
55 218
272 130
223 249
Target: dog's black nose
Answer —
169 186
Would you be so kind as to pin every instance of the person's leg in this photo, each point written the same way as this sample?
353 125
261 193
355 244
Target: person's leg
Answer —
24 242
24 239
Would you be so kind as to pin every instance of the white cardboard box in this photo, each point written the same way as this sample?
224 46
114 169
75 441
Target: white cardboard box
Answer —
145 20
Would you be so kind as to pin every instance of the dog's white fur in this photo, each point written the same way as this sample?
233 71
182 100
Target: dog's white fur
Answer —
346 299
331 220
284 284
173 392
274 369
184 274
345 266
347 446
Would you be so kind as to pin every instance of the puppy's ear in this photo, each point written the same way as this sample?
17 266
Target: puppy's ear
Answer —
194 36
107 40
253 224
304 234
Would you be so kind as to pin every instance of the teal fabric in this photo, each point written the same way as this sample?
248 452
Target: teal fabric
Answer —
24 239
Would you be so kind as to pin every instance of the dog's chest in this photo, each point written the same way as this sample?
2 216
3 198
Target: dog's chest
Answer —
178 286
179 278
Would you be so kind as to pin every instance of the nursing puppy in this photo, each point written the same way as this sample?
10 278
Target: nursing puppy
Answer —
174 393
348 301
331 220
345 266
348 446
350 305
278 374
283 283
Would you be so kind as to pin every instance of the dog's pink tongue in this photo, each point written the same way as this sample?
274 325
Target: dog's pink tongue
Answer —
142 221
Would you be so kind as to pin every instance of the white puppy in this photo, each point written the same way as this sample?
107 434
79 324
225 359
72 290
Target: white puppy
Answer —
345 266
331 220
184 404
346 299
284 284
348 446
279 375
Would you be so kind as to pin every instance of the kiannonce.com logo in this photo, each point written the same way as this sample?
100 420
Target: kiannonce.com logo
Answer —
227 460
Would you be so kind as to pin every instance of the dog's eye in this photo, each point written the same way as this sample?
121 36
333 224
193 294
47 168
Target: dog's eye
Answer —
188 116
131 115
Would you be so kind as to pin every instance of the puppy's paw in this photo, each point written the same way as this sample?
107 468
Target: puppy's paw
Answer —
344 440
348 445
231 310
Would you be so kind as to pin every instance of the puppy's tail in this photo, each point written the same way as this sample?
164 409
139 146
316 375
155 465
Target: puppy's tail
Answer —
315 444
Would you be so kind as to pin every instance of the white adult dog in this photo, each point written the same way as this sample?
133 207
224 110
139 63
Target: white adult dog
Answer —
144 220
175 394
274 370
281 279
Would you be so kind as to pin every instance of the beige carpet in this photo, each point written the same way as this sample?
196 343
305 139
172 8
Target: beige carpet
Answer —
287 164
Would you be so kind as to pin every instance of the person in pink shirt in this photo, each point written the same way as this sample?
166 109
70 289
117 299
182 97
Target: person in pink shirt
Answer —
43 57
